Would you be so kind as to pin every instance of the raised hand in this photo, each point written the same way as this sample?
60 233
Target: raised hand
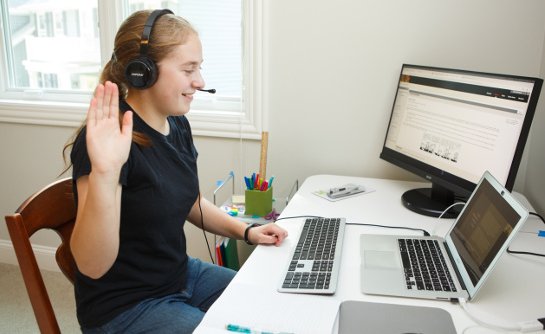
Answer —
108 143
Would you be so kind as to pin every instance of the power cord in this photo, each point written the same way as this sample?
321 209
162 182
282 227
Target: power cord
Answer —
523 327
449 207
528 253
434 233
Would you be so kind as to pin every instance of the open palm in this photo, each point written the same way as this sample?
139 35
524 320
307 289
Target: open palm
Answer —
108 143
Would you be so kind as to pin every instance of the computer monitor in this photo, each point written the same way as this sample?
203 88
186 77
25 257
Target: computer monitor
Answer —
449 126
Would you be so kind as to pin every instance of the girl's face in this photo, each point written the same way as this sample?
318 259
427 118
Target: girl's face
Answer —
179 77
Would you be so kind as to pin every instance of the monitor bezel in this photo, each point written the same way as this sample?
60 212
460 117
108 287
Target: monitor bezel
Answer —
441 180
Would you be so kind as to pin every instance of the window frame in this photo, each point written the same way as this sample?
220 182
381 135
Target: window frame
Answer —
239 119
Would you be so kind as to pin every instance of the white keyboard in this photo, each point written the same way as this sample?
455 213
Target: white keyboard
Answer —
315 261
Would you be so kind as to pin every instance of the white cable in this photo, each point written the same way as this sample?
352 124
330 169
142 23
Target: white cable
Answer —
441 215
523 327
448 208
480 330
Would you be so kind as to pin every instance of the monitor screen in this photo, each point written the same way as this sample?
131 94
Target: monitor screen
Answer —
450 126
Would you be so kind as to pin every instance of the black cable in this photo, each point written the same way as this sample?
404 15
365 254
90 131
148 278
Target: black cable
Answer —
538 215
362 224
524 253
192 149
294 217
204 232
426 233
528 253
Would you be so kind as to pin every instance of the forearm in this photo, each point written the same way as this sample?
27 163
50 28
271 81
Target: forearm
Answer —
218 222
95 239
215 220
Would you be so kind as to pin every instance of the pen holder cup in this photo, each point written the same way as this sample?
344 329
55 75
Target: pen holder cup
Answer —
258 203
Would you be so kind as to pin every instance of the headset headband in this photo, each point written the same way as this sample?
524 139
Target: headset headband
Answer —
144 41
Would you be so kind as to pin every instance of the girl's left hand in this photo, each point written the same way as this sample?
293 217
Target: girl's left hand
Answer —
268 234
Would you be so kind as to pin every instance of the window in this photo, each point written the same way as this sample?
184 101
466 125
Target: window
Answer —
52 51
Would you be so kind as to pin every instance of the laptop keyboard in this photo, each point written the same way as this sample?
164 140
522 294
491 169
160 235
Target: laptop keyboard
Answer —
425 266
315 261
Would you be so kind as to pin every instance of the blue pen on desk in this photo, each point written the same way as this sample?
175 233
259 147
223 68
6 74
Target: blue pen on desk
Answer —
242 329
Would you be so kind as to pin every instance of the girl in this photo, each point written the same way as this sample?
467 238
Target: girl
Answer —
135 183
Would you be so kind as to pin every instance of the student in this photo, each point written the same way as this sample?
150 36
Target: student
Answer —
136 183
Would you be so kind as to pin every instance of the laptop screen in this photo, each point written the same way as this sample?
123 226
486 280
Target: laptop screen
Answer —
483 228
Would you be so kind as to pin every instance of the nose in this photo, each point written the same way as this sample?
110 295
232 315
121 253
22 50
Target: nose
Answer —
198 82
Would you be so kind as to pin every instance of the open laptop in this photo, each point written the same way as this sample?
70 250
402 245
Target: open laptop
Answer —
476 241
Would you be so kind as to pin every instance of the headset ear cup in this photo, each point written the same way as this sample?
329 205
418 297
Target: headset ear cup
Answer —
141 73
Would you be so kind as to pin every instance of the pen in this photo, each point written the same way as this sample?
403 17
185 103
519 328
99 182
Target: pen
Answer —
242 329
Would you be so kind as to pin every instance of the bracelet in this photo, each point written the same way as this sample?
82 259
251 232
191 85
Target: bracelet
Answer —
248 230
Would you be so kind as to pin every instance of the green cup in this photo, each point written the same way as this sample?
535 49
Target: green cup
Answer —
258 203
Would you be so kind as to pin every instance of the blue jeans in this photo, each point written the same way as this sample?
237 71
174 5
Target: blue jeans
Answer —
176 313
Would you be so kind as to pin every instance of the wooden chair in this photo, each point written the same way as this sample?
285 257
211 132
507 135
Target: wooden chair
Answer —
50 208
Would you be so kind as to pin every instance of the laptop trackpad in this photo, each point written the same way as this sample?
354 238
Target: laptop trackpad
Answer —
381 259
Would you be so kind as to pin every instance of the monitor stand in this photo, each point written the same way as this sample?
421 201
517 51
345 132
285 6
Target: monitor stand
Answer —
431 201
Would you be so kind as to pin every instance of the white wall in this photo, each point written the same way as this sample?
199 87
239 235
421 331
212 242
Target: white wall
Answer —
331 72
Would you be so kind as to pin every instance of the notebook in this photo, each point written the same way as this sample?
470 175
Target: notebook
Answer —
474 244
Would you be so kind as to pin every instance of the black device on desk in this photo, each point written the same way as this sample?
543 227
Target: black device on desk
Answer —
450 126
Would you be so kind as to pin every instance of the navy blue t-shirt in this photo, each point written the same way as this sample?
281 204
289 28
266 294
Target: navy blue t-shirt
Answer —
159 187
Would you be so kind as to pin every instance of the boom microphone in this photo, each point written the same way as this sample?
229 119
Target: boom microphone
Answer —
211 91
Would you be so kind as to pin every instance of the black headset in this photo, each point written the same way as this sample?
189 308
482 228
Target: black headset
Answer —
142 72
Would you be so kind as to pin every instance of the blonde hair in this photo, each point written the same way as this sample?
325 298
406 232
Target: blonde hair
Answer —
169 31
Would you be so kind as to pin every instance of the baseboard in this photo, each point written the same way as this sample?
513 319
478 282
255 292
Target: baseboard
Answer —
45 255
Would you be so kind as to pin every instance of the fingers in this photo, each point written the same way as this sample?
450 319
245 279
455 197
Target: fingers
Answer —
99 96
91 113
126 126
114 101
272 234
105 103
106 100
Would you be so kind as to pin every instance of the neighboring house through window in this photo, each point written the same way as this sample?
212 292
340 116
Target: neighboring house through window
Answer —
52 52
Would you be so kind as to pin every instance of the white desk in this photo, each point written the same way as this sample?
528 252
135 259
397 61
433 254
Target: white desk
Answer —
514 293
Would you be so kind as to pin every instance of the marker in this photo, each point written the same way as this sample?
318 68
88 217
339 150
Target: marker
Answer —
248 330
238 329
248 183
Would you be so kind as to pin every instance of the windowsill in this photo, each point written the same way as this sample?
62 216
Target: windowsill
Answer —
203 123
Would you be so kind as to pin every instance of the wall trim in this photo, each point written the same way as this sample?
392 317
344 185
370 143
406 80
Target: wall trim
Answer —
45 255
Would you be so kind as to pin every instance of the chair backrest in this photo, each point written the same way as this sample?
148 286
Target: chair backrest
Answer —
50 208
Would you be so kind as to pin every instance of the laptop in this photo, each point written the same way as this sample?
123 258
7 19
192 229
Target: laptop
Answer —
371 318
474 244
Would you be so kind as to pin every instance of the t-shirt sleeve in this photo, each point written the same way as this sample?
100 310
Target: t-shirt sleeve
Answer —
81 165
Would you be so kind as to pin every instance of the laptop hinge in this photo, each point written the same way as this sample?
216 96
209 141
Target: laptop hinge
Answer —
456 271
